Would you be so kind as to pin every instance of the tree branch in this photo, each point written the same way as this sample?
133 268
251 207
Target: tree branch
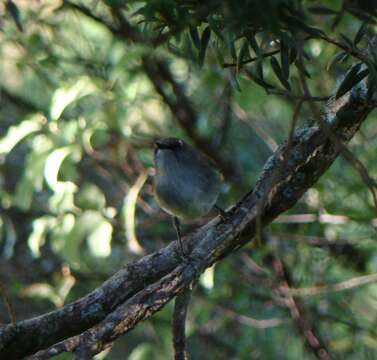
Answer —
142 288
182 302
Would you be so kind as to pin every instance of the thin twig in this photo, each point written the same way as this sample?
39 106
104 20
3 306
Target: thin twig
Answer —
243 116
251 322
181 304
330 288
248 61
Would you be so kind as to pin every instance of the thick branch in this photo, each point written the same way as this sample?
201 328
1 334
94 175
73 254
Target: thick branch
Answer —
311 153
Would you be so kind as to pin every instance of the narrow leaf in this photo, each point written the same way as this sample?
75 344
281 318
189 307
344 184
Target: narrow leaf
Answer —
362 15
266 86
242 54
259 62
347 40
277 70
254 44
215 27
195 37
292 55
338 57
204 44
15 13
284 59
361 32
351 79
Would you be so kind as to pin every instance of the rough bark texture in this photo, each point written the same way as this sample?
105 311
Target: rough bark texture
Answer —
140 289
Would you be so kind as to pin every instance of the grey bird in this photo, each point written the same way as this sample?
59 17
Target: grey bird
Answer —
186 183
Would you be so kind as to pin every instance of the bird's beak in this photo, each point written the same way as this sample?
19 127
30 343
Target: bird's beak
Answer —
157 144
160 144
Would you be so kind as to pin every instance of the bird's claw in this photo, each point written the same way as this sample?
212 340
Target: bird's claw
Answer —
222 213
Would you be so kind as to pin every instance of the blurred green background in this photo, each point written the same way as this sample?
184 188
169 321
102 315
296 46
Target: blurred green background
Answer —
78 114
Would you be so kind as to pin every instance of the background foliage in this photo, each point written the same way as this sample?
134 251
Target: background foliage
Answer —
78 115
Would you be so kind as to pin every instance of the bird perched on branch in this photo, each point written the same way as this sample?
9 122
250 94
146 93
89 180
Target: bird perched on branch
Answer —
187 184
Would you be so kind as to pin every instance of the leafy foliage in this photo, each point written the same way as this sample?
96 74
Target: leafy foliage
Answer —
78 117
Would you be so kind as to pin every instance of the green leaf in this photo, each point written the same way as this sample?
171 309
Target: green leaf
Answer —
259 62
195 37
39 232
215 27
15 13
338 57
204 44
66 95
254 77
277 70
242 54
351 79
18 132
361 32
292 55
99 240
254 44
362 15
297 22
284 59
347 40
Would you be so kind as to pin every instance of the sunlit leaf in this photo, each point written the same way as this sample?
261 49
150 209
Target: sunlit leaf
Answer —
208 278
130 213
53 164
18 132
99 240
68 94
38 235
90 196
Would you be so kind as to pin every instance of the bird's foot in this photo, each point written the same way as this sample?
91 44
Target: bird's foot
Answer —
222 213
184 256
